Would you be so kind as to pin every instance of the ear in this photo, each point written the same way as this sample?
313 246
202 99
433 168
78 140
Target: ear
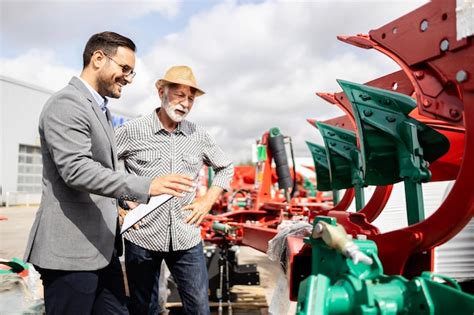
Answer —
161 90
98 59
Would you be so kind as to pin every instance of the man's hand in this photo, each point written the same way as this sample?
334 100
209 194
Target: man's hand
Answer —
201 206
122 213
174 184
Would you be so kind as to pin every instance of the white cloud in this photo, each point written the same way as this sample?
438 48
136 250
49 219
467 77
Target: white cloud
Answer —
39 68
45 23
260 65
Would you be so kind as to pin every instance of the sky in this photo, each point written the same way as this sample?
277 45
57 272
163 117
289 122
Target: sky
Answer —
260 62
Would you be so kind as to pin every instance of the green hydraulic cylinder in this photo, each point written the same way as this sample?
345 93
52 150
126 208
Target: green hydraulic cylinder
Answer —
221 227
394 146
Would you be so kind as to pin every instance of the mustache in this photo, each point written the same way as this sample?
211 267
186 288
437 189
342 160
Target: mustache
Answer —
181 108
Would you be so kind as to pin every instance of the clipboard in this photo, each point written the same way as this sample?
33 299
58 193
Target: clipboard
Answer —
141 211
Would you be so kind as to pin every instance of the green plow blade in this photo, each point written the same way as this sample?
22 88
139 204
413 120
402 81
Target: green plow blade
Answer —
322 168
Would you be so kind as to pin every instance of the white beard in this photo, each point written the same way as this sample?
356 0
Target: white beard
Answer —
170 110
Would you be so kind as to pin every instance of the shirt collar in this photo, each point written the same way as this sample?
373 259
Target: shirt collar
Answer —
157 126
100 100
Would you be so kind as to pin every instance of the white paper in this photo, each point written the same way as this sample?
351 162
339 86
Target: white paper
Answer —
135 215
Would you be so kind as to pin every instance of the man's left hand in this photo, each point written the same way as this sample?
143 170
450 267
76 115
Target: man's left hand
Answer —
122 213
200 207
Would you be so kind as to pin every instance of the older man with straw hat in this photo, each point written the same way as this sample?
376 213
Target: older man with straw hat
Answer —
161 143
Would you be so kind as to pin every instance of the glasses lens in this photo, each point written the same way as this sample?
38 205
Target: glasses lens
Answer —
126 70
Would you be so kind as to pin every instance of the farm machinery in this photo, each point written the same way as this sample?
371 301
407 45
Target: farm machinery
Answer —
412 126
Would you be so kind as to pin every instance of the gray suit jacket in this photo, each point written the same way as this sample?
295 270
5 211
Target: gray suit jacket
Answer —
76 222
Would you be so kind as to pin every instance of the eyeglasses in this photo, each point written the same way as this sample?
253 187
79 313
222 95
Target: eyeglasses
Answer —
126 70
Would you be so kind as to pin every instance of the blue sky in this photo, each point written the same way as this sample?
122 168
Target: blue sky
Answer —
260 62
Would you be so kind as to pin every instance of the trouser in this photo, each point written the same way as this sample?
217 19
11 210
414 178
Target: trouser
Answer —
188 268
85 292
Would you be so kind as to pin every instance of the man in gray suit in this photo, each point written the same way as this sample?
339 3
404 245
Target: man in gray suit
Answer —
74 241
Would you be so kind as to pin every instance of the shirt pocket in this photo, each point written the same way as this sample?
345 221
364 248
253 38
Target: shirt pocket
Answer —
148 159
191 164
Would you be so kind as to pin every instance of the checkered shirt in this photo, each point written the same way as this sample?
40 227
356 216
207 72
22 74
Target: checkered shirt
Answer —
148 149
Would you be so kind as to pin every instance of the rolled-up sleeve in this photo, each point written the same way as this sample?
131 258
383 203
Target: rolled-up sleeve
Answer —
216 158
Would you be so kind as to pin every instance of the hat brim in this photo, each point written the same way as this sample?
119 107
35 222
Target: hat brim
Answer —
161 83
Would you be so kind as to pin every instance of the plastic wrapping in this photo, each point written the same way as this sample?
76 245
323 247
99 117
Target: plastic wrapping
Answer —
277 245
280 301
163 291
21 295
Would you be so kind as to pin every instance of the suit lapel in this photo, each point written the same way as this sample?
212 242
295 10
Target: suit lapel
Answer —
113 143
106 124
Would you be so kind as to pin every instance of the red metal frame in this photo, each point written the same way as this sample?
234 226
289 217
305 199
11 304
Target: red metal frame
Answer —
439 94
429 74
377 202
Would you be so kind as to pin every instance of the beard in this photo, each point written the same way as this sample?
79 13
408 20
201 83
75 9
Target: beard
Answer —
108 86
170 109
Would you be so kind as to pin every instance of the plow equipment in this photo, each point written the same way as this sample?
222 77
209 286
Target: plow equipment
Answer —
413 126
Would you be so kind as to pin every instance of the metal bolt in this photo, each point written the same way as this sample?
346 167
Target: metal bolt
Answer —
368 112
419 74
426 103
333 144
454 113
331 133
444 45
424 25
390 119
461 76
365 97
346 148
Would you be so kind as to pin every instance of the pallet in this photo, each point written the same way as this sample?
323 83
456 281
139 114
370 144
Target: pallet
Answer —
248 297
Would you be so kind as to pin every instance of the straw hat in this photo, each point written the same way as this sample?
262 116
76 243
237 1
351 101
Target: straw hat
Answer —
179 75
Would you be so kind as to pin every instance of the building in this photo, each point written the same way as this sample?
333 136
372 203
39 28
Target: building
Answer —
20 155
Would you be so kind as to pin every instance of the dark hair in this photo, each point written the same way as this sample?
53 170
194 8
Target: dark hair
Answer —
108 42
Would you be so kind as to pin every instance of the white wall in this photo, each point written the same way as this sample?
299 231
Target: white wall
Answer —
21 106
454 258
